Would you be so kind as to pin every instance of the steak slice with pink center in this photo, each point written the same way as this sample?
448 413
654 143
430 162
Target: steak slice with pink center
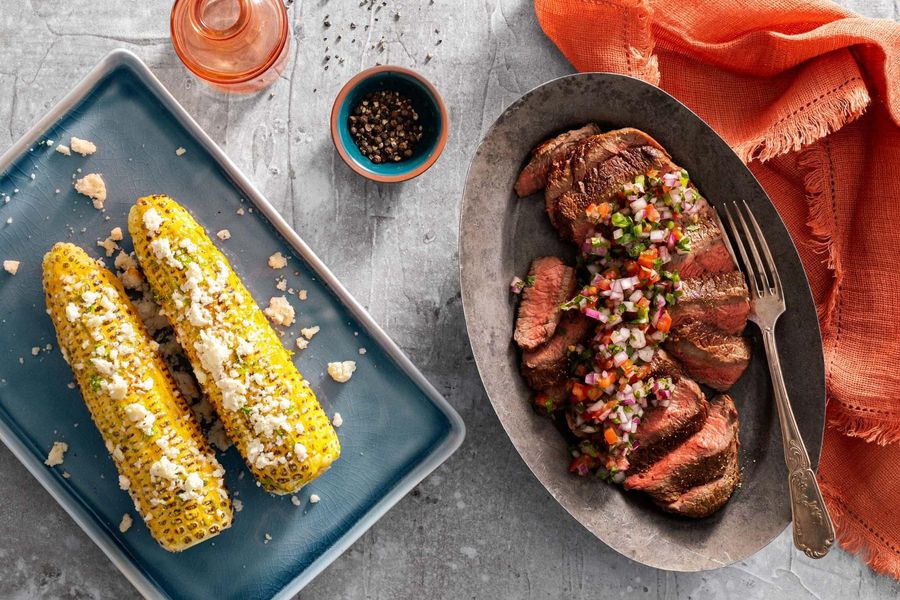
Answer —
708 254
662 428
533 177
705 499
702 458
547 365
720 299
552 284
710 356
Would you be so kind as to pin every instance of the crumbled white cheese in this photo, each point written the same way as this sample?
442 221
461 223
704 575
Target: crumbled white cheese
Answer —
314 499
302 294
152 220
341 371
92 186
180 151
281 284
109 245
240 212
63 149
268 538
57 454
309 332
162 250
337 420
302 343
280 311
277 261
11 266
82 147
238 505
125 525
117 389
223 234
116 234
362 350
295 500
137 413
124 483
35 351
193 483
165 469
300 451
90 297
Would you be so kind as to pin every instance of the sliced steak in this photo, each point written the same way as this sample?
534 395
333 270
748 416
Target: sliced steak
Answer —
700 459
664 365
534 176
547 365
720 299
595 172
705 499
539 311
709 355
664 427
708 254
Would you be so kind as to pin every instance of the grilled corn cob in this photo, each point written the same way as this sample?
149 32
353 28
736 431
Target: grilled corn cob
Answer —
163 459
267 408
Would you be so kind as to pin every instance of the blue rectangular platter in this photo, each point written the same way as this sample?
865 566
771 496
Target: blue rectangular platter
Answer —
396 427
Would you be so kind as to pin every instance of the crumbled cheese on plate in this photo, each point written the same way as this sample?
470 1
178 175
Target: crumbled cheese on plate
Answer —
337 420
57 454
116 234
82 147
11 266
125 525
277 261
302 343
238 505
309 332
341 371
92 186
180 151
223 234
295 500
280 311
63 149
314 499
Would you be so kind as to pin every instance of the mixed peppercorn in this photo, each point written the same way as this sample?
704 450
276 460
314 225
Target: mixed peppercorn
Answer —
385 126
628 292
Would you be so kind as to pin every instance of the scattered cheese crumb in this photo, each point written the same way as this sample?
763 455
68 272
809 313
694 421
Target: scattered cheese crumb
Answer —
277 261
281 284
224 234
295 500
362 350
82 147
66 474
302 294
109 245
57 454
280 311
240 212
309 332
268 538
124 482
116 234
180 151
92 186
341 371
238 505
63 149
337 420
11 266
152 220
125 525
314 499
35 351
302 344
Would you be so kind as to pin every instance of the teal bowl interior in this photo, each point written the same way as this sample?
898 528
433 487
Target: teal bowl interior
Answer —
424 103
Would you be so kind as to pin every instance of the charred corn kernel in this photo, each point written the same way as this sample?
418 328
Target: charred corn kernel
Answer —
163 459
266 406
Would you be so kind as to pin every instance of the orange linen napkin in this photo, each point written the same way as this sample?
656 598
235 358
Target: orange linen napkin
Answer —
809 95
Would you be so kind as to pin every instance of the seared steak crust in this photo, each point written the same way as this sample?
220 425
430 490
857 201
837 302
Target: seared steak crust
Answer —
708 252
709 355
533 177
547 365
703 500
720 299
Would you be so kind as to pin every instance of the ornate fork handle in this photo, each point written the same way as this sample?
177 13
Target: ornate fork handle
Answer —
813 529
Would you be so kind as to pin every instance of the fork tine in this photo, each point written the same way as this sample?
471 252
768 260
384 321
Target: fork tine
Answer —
763 277
745 258
765 248
725 238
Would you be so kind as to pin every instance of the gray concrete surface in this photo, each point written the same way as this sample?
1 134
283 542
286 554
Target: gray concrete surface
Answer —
481 526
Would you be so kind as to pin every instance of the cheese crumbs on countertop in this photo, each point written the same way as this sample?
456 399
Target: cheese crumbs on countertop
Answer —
309 332
92 186
125 525
277 261
82 147
57 454
223 234
63 149
280 311
11 266
341 371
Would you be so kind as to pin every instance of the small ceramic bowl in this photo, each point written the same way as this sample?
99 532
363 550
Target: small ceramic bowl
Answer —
425 100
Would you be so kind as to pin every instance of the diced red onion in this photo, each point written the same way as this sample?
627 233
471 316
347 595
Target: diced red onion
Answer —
592 313
619 358
516 285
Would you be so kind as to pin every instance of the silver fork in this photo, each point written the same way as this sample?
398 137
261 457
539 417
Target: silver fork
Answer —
813 529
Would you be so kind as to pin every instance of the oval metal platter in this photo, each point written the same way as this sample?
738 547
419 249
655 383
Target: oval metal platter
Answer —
500 235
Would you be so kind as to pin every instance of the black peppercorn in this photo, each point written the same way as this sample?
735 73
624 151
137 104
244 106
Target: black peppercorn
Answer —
384 126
